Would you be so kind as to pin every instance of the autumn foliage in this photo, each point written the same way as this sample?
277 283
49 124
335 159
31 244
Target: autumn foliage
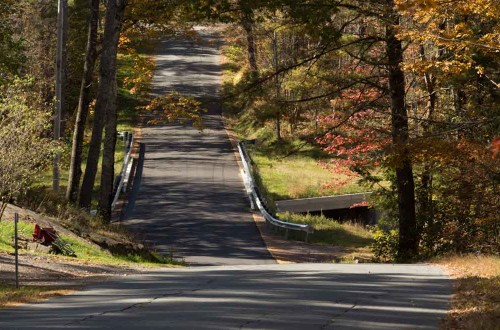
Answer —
403 95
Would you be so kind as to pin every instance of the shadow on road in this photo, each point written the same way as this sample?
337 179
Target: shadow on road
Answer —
289 297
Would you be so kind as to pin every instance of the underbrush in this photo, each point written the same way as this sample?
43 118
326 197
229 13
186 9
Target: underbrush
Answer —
10 294
476 300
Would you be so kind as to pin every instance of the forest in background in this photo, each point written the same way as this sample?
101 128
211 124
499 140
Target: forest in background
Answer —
405 92
399 92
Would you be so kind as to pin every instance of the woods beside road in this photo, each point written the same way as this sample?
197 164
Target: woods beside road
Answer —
396 97
412 116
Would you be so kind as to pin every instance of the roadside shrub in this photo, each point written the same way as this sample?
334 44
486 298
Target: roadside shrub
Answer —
25 149
385 246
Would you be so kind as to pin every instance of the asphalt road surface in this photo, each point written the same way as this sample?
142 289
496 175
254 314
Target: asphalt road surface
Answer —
192 202
293 296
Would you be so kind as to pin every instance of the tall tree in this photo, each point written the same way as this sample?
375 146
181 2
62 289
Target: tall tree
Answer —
457 70
408 235
105 107
247 22
75 171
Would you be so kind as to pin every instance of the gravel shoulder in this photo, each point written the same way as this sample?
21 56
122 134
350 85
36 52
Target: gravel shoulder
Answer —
54 271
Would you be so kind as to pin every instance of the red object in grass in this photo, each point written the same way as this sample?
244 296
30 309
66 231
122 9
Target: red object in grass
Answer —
44 236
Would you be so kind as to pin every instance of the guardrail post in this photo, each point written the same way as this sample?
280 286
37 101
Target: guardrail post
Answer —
286 233
307 237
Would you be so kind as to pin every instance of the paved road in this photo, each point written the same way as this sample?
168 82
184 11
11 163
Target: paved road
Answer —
192 201
293 296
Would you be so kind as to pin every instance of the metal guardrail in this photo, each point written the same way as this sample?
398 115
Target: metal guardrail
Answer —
124 175
122 179
255 200
136 184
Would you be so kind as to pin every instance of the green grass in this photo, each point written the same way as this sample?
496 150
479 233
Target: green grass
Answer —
297 176
291 170
89 252
330 232
7 232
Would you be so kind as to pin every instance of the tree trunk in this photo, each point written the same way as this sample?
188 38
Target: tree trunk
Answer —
408 234
277 86
75 171
108 161
424 195
108 158
60 87
106 94
3 206
248 26
64 77
247 22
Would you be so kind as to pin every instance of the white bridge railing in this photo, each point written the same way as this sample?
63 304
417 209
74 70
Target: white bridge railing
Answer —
255 199
124 175
122 179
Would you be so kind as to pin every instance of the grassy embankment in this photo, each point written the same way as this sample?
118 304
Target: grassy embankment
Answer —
290 168
86 253
84 250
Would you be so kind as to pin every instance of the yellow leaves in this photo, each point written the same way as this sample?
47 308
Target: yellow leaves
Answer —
174 107
124 44
411 6
453 66
458 29
443 68
138 80
432 9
